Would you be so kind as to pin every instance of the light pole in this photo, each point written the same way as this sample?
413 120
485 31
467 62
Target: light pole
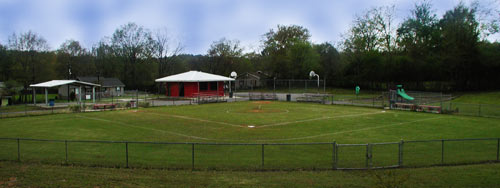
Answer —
233 75
313 74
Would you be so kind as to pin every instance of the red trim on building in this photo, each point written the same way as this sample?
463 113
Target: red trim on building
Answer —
191 89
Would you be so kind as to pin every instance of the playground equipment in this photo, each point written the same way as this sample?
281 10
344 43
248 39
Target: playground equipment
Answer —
402 93
424 101
399 96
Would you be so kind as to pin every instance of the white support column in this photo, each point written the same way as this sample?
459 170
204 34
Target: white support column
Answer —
93 94
46 96
80 94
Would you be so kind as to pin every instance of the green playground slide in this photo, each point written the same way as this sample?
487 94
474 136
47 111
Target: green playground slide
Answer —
401 92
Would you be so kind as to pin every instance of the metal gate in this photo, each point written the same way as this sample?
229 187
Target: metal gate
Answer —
367 156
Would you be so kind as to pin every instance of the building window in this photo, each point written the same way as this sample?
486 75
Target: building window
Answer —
203 86
213 86
117 88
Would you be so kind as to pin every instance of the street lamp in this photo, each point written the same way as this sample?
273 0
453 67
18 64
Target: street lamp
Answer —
313 74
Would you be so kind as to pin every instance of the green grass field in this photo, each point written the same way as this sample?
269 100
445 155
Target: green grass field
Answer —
492 97
250 122
244 123
14 174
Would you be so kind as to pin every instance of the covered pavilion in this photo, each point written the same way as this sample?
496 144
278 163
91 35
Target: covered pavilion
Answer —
58 83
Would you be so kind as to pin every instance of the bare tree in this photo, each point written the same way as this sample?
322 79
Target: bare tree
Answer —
26 47
133 44
165 51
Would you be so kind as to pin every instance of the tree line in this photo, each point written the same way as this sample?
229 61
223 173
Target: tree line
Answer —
423 52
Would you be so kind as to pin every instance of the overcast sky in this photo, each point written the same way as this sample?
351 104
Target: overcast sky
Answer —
194 23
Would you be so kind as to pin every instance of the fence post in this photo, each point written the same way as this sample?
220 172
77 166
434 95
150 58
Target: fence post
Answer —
368 155
441 101
126 153
66 150
262 156
498 148
401 144
334 144
442 151
192 156
18 151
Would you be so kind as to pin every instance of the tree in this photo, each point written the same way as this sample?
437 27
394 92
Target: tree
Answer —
134 45
6 65
26 50
419 34
329 60
371 36
69 55
285 36
288 52
164 51
488 17
419 37
460 39
224 56
12 88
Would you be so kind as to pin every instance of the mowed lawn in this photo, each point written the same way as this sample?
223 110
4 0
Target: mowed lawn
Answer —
248 122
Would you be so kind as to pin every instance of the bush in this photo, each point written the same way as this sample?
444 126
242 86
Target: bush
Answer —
75 108
144 104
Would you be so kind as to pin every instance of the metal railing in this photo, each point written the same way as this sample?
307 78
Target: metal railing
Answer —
193 155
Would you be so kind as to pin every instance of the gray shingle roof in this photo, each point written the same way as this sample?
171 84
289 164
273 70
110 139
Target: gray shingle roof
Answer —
105 82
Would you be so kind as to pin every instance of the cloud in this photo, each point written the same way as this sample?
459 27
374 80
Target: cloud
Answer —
197 23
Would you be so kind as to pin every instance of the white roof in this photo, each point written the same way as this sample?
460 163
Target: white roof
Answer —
194 76
54 83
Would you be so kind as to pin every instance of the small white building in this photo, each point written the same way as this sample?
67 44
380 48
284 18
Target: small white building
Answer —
108 87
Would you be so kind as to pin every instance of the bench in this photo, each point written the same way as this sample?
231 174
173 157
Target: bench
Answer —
104 106
405 106
316 98
262 96
203 98
428 108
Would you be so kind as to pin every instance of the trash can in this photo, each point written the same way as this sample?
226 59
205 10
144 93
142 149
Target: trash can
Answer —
51 102
231 94
133 104
288 97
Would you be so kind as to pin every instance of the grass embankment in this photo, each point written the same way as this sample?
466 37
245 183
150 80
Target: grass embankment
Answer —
479 98
14 174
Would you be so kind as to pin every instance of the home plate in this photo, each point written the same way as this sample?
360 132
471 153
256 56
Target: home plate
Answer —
251 126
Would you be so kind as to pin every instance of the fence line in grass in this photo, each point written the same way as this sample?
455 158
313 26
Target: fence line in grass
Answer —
146 100
196 155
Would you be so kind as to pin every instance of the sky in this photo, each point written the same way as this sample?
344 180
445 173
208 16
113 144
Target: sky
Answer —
194 23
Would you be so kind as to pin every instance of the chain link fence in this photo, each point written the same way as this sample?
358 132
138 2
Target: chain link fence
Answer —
281 85
271 156
424 101
483 110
